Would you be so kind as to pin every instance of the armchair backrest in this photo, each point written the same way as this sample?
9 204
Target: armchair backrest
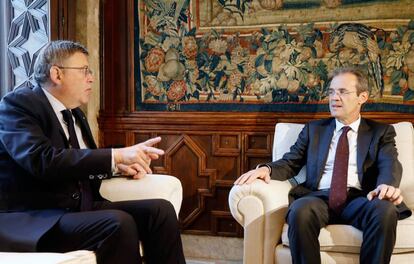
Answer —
287 133
405 146
285 136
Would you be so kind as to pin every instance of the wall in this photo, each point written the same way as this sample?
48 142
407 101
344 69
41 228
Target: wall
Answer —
87 33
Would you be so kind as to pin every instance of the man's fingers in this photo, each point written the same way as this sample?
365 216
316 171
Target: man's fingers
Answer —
386 192
382 192
399 200
145 167
243 179
139 175
395 195
250 176
240 180
253 176
126 170
153 156
390 192
371 195
151 150
152 141
138 168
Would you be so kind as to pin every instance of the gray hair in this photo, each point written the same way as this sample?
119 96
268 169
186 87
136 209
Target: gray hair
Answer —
54 53
362 80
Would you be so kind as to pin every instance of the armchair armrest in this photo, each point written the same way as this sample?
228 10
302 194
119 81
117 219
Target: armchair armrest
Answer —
150 187
260 208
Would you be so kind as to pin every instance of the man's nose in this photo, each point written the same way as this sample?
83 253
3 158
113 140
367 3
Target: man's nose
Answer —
91 78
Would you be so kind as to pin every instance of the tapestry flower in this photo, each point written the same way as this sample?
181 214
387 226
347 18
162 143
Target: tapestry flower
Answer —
293 86
396 56
312 80
238 55
153 86
234 80
154 59
218 46
189 47
177 90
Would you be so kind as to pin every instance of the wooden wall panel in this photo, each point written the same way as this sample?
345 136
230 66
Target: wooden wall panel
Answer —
207 158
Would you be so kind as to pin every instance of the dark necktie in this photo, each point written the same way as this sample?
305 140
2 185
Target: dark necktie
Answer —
85 187
338 190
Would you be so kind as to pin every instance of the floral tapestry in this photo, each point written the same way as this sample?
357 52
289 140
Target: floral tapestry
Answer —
213 56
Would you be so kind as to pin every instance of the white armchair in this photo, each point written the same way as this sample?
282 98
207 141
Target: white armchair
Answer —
115 189
261 208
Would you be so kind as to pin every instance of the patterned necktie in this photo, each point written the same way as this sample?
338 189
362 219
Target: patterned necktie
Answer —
84 185
338 191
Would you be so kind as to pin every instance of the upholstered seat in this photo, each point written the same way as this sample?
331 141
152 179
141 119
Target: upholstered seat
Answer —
115 189
260 208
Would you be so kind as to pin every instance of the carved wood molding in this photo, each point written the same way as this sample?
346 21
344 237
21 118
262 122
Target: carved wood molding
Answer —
213 121
186 142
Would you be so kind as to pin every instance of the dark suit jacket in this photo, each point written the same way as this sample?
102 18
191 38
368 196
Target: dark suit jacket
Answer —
39 174
377 161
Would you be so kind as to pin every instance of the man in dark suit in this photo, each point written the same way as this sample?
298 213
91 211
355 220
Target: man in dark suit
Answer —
51 170
352 178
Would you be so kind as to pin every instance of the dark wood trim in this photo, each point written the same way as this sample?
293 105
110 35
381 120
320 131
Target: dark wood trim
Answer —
131 52
117 70
239 121
62 19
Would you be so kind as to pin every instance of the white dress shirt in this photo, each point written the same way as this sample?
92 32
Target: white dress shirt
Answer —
353 180
58 107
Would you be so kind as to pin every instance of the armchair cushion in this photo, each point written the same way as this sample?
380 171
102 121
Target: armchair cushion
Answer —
150 187
348 239
73 257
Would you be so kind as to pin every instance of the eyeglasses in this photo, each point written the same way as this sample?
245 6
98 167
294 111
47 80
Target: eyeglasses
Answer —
339 92
85 69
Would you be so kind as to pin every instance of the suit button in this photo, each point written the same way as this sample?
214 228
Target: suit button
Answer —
76 195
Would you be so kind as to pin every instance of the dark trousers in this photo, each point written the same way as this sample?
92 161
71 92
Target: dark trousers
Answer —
377 219
113 230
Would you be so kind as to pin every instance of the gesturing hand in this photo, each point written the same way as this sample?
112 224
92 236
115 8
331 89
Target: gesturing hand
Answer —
386 192
137 157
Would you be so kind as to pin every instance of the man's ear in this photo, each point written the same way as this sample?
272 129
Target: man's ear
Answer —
55 75
363 97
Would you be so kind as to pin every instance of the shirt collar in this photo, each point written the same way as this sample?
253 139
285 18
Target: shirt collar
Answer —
354 125
57 105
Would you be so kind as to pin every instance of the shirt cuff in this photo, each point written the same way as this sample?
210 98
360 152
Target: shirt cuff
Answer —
114 168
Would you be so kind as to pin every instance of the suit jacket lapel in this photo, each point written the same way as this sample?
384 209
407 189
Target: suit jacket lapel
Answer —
325 134
363 141
56 123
